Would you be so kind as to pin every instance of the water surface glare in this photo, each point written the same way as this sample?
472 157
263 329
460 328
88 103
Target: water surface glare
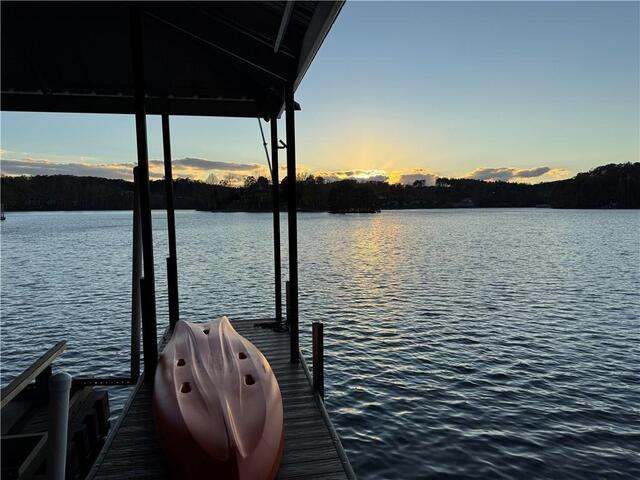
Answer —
459 343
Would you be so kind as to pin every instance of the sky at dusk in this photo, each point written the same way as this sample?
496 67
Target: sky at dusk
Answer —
402 91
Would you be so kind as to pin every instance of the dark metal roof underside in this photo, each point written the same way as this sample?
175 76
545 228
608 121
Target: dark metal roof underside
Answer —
203 58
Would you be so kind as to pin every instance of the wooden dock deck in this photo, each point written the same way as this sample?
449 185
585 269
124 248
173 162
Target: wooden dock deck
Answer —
312 448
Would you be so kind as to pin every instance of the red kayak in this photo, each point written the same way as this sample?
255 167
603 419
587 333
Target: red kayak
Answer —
217 405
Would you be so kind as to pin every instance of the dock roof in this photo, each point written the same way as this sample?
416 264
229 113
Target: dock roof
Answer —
227 59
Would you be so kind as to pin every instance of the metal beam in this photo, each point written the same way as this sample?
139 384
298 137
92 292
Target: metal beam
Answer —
136 273
286 16
125 104
149 329
172 261
85 382
293 225
216 46
275 180
221 20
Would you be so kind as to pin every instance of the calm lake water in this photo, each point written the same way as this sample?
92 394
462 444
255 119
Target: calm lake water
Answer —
459 343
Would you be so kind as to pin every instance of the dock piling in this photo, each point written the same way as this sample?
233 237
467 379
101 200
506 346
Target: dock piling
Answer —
59 388
149 340
318 357
172 287
149 326
292 313
172 262
286 288
135 281
275 181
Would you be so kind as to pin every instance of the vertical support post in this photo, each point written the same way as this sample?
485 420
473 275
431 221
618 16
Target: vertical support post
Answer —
172 260
318 357
275 180
293 225
149 333
59 388
144 309
287 288
136 273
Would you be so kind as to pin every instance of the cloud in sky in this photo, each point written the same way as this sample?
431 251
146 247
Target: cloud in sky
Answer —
196 168
202 164
357 174
235 173
506 174
407 177
31 166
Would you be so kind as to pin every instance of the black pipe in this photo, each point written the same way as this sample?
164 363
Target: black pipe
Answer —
136 274
317 348
172 261
293 227
149 333
286 296
276 216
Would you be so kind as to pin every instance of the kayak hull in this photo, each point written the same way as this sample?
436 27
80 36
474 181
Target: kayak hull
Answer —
217 405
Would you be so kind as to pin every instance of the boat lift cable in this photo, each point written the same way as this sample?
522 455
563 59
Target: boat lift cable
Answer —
264 144
275 326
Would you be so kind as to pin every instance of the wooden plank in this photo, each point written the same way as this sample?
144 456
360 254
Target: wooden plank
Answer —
318 466
18 384
310 443
323 452
115 431
302 413
311 476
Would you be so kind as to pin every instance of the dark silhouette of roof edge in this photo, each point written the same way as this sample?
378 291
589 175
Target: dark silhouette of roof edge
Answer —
228 59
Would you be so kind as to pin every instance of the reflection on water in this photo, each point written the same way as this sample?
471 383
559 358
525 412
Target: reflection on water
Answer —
465 343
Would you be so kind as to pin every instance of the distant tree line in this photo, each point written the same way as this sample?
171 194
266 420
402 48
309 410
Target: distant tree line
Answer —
608 186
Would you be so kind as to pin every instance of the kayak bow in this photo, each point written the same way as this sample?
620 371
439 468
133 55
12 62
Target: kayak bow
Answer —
217 405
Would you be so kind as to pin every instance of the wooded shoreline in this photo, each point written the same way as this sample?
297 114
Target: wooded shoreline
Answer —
609 186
